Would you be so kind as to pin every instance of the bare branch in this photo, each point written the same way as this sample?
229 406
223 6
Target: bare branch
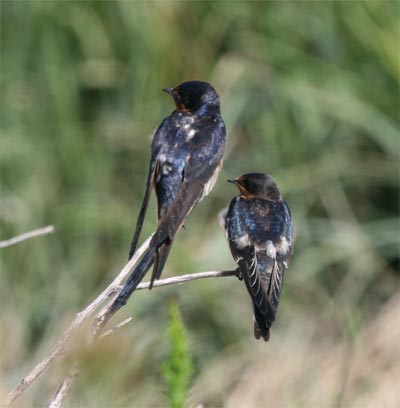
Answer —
79 319
104 315
186 278
27 235
116 327
112 290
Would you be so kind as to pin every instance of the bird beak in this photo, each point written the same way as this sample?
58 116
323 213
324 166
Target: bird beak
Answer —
234 181
169 91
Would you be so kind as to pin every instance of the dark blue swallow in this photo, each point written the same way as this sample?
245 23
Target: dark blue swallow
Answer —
186 157
259 231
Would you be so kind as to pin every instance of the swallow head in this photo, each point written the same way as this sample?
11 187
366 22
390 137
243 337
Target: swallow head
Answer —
257 185
193 96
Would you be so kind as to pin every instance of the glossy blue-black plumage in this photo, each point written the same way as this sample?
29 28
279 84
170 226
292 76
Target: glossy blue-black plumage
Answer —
185 146
186 157
259 232
262 219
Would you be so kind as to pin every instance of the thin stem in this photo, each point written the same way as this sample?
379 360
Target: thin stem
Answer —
177 280
27 235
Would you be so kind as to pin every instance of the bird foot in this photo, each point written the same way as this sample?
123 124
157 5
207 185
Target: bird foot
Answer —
239 274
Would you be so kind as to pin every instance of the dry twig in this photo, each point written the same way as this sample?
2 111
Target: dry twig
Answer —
116 327
177 280
104 315
27 235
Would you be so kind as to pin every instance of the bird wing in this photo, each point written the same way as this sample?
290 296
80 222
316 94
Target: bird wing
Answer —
247 260
159 139
255 229
201 169
272 235
188 196
280 245
205 158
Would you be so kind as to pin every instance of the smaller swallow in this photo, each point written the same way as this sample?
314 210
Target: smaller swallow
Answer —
259 232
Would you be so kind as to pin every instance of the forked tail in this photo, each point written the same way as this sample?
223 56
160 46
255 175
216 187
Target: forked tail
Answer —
145 203
134 279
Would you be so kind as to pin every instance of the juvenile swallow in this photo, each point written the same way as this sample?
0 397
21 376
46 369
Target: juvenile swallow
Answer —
259 231
186 158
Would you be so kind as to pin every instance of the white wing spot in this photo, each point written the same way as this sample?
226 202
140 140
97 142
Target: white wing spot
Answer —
243 241
166 169
271 250
191 133
284 246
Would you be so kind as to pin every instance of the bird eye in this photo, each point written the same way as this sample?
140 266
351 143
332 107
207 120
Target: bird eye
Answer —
179 92
249 186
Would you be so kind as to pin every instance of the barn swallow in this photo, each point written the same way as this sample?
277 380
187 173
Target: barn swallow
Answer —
186 158
259 232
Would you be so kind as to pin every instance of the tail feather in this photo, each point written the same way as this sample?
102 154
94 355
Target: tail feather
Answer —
134 279
143 209
160 259
161 242
258 333
188 196
262 323
171 223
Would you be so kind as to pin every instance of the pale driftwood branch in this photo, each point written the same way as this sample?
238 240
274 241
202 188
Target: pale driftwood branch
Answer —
79 319
113 289
27 235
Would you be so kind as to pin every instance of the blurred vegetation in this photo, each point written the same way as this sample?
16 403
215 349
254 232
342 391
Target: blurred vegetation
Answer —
309 94
177 369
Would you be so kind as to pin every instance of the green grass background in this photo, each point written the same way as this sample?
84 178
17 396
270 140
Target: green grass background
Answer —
309 93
